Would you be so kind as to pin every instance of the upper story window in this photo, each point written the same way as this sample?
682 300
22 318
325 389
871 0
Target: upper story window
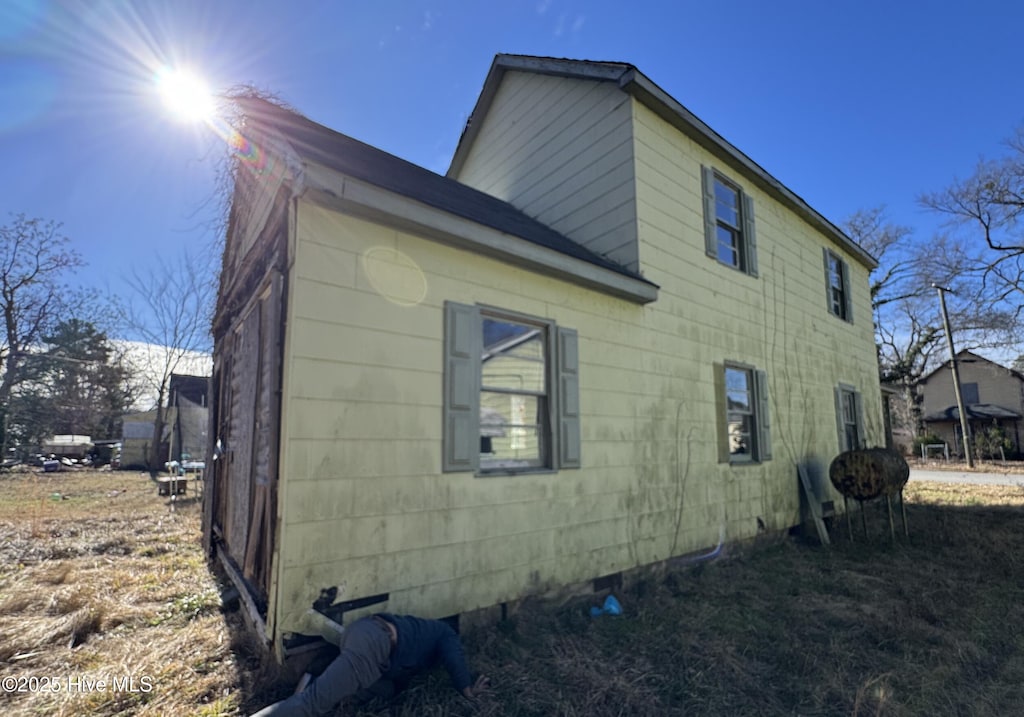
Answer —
837 286
729 233
511 392
969 391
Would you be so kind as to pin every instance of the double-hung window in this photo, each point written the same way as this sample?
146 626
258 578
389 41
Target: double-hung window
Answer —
849 418
511 392
729 235
744 423
837 286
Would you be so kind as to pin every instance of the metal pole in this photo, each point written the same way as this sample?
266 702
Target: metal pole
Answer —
965 427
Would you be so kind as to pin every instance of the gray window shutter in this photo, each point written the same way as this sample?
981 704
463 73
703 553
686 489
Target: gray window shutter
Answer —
710 217
828 280
568 398
847 291
721 413
764 421
749 234
840 424
462 348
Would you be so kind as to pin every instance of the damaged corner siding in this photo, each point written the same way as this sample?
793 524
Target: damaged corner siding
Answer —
242 483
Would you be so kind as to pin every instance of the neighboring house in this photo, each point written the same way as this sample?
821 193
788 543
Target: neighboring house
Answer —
188 417
993 396
186 425
607 338
136 437
148 363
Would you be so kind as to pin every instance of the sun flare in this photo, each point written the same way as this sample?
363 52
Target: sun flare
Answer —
186 95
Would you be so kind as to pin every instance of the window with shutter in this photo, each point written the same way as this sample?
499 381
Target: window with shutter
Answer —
729 235
746 423
849 418
837 286
511 392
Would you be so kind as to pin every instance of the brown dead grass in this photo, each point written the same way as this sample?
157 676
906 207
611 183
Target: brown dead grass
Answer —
102 579
960 466
105 581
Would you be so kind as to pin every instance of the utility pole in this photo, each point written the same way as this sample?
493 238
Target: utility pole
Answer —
965 427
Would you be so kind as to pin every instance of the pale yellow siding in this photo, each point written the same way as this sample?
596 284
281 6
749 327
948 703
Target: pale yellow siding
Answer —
534 150
363 503
708 313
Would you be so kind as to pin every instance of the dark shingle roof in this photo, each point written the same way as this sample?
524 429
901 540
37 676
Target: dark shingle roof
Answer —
315 143
980 411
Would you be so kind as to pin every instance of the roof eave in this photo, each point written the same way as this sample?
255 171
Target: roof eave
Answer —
351 195
668 108
635 83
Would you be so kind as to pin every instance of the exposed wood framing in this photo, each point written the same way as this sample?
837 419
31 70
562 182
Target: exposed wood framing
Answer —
250 605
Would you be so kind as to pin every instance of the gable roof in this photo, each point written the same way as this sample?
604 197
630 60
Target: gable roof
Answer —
321 145
632 81
967 356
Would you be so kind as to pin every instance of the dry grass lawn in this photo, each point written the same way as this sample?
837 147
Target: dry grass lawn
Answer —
101 580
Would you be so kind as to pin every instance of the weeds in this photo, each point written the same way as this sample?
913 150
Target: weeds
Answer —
109 583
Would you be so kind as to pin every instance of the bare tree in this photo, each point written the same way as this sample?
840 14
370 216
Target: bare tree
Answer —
897 276
35 259
991 202
908 328
169 310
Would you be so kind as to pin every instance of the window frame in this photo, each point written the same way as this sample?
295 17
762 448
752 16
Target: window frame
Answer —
743 231
463 388
547 437
749 413
967 392
856 405
844 310
733 230
759 412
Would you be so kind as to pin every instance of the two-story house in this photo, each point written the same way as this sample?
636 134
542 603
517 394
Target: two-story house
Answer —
993 397
607 338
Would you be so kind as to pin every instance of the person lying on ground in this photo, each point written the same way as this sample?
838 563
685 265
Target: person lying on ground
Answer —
380 654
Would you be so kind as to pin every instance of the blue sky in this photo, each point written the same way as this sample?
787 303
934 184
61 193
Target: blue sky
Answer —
850 104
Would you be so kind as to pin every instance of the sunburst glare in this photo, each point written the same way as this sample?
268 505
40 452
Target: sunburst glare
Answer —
186 95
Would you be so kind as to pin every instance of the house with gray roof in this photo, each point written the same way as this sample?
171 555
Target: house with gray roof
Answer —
993 397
